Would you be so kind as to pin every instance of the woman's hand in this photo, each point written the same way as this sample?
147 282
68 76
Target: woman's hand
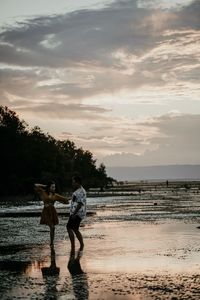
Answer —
38 185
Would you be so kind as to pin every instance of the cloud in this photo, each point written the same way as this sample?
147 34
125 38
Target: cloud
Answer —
123 45
63 111
114 136
82 65
175 142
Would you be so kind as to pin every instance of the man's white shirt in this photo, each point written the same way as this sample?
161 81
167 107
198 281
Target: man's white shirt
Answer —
79 196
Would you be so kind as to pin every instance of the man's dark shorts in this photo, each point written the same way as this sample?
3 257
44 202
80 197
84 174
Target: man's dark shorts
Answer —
74 223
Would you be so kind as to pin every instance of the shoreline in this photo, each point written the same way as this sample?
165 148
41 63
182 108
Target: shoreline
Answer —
24 214
129 187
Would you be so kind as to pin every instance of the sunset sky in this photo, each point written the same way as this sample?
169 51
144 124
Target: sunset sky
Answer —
119 78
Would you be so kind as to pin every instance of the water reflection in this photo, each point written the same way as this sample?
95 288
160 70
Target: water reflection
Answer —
79 277
51 276
17 267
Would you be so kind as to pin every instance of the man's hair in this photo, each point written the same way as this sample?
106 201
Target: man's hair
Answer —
77 179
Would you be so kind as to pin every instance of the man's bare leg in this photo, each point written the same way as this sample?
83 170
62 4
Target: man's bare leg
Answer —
71 237
80 238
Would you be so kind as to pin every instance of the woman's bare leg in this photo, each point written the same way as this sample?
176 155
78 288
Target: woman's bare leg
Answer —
52 234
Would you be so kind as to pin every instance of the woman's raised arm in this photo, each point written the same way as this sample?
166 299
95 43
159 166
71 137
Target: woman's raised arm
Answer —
39 188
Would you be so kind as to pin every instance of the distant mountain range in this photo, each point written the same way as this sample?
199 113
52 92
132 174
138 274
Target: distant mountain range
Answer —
170 172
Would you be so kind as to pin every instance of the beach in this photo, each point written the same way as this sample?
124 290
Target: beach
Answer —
142 246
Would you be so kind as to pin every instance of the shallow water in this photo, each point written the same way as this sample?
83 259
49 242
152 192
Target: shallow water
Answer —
136 247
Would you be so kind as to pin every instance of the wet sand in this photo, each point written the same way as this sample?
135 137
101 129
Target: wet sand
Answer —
121 260
134 249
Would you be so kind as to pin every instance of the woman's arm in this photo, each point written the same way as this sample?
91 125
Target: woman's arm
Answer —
39 188
39 185
62 199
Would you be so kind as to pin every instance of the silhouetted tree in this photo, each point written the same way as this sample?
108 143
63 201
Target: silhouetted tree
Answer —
30 155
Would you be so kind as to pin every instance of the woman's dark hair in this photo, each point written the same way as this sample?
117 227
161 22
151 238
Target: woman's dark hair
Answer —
77 179
47 189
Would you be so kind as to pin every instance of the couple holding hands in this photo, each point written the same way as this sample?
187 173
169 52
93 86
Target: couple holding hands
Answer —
77 210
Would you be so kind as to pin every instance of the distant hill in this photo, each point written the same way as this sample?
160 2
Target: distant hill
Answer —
173 172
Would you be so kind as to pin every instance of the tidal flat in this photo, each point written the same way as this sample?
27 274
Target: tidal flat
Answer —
142 246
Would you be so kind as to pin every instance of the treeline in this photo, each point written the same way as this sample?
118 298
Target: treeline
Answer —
30 155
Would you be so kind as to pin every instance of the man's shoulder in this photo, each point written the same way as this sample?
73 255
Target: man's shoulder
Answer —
80 191
83 190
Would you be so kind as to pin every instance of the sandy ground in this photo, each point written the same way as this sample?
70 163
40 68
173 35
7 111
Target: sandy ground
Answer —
121 260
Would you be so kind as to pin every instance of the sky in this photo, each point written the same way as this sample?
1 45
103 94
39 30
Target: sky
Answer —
119 78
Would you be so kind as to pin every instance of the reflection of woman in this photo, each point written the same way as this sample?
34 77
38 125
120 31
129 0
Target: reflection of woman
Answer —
49 214
79 278
51 276
52 269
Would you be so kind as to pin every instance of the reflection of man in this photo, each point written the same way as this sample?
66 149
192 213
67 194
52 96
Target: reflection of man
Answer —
77 213
79 278
51 275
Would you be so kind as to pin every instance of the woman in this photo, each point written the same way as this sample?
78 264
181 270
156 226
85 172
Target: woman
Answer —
49 214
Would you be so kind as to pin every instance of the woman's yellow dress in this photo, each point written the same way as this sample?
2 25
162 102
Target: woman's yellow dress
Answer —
49 214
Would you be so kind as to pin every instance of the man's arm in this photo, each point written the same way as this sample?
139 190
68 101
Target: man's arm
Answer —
77 208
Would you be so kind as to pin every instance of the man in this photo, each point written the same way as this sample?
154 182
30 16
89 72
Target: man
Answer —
77 213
